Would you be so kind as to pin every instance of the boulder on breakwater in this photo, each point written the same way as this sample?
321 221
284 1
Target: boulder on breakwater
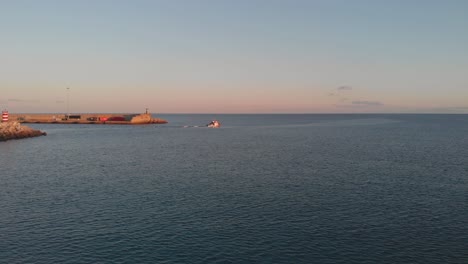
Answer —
14 130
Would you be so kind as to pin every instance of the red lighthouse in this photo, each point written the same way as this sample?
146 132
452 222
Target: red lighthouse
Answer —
4 116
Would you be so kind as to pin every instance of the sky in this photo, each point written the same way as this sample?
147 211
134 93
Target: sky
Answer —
237 56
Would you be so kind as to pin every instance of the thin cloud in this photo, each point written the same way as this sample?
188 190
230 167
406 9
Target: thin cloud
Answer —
367 103
340 92
344 88
344 98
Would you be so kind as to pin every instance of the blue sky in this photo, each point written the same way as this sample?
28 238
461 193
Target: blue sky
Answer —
234 56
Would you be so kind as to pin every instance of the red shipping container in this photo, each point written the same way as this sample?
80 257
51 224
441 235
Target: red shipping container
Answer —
116 118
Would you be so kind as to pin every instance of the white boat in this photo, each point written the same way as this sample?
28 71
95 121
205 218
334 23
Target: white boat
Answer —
214 124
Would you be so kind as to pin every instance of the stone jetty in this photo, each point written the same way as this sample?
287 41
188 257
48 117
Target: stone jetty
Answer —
14 130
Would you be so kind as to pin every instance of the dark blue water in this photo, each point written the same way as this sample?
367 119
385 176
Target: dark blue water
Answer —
261 189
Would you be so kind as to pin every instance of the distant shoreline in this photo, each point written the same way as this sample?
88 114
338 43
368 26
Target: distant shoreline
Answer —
94 118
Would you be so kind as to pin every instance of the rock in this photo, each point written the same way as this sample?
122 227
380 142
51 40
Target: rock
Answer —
141 119
157 121
14 130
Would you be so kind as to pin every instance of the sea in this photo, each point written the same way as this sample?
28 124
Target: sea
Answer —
301 188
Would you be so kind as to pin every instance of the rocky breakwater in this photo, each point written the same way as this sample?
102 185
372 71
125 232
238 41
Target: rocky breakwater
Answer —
14 130
146 119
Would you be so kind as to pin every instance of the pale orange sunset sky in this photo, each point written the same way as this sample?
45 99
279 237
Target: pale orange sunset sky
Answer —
234 56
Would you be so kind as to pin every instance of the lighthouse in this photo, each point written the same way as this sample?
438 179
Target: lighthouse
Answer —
4 116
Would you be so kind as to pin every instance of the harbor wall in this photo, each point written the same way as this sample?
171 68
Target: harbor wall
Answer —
89 118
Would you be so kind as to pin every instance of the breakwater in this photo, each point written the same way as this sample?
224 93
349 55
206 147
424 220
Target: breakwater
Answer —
14 130
119 119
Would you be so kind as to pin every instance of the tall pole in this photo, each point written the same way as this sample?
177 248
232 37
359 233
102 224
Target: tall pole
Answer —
68 102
